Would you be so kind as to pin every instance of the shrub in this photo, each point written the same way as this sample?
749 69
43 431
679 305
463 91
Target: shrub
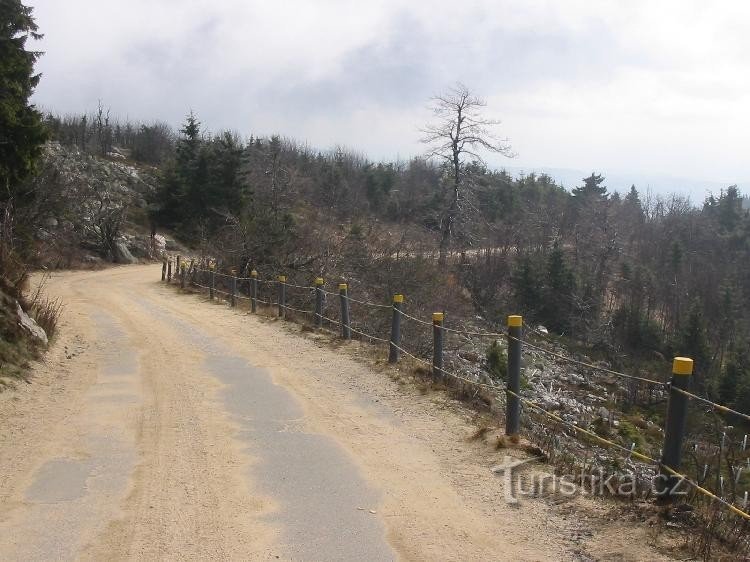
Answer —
497 362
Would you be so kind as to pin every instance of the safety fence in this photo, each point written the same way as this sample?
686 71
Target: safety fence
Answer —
383 324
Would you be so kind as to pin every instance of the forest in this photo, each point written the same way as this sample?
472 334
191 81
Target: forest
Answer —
636 278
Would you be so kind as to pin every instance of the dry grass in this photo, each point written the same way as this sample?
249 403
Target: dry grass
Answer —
479 433
44 310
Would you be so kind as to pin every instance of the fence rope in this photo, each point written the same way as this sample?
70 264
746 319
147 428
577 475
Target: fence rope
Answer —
538 348
373 304
330 320
308 287
525 401
410 317
587 365
287 307
713 405
446 372
479 334
368 335
633 453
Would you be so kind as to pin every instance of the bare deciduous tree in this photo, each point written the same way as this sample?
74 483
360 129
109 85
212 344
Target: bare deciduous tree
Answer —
459 133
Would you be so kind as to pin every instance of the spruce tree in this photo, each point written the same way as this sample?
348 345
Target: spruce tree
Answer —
592 186
736 372
559 291
527 286
693 343
22 132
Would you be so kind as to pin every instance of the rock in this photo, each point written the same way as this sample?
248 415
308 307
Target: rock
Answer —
160 242
469 356
123 255
171 246
50 222
88 258
30 325
542 329
140 247
604 413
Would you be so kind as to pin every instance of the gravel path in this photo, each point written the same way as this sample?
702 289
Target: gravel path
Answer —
164 427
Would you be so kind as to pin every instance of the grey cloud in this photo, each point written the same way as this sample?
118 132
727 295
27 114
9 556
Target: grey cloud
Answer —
554 80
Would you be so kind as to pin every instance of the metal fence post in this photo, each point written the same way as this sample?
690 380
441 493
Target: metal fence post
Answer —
346 331
513 406
234 289
394 352
163 269
192 272
169 271
437 344
177 265
212 282
674 430
282 296
253 291
183 275
319 302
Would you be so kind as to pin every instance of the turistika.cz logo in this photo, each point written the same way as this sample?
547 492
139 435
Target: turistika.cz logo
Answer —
596 482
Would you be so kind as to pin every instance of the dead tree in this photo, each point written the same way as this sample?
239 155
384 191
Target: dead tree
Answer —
458 134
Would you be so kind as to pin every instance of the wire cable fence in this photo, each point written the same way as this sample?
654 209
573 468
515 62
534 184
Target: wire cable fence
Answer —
390 325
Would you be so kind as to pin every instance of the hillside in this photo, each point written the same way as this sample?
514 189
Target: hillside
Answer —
79 211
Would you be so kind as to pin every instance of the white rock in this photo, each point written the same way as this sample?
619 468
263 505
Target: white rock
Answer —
29 324
123 255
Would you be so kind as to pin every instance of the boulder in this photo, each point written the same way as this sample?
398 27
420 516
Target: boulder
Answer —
30 325
140 247
470 356
172 246
123 255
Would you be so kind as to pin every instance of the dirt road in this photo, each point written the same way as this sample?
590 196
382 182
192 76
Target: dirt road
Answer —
162 427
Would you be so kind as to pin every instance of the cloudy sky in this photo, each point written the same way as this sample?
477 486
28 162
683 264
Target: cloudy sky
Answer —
647 89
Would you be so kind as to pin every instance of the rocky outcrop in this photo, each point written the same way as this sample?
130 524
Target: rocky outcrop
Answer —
93 205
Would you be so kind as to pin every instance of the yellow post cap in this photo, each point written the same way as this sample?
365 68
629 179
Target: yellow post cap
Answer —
398 298
343 286
438 316
515 321
253 273
211 266
319 281
282 278
682 366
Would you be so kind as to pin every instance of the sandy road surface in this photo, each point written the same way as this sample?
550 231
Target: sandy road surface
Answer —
162 427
